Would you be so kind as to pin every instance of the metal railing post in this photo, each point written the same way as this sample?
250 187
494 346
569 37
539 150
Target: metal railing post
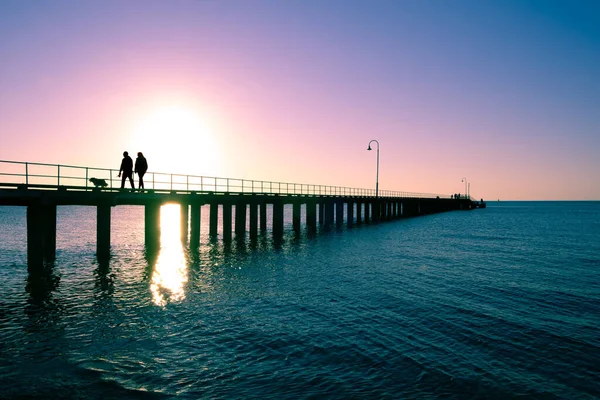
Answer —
27 173
58 177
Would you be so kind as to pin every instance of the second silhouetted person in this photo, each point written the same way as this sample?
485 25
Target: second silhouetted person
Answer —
141 166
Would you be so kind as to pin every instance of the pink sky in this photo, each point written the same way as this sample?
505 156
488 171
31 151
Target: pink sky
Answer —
502 94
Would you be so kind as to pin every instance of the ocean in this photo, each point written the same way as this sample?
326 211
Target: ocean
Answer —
495 303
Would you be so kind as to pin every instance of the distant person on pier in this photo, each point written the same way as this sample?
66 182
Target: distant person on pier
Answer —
127 170
141 166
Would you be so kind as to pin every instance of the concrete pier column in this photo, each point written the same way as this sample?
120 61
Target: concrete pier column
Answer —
194 224
339 213
214 219
278 218
103 212
152 224
367 212
350 213
253 220
184 220
240 218
322 213
311 215
405 208
329 205
227 222
296 215
49 232
263 216
359 212
376 211
35 241
388 212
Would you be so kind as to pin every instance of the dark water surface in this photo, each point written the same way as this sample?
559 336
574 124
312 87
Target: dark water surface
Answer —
499 303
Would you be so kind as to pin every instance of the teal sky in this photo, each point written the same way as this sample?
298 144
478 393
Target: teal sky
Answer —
504 93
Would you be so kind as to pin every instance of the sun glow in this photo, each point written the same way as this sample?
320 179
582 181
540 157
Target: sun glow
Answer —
177 139
170 272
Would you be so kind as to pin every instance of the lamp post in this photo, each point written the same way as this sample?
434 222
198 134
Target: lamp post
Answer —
377 177
465 181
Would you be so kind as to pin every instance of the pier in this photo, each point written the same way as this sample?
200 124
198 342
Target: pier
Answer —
247 207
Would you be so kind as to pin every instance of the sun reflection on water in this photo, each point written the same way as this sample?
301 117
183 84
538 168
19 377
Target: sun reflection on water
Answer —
170 273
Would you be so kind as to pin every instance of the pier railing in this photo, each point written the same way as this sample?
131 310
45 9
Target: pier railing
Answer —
56 176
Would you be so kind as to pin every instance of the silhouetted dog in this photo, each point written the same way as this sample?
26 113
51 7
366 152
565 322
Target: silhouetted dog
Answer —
99 182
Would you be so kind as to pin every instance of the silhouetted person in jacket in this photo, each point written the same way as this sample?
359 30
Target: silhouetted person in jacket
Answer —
126 169
141 166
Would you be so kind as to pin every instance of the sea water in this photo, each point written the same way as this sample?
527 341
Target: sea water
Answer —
500 303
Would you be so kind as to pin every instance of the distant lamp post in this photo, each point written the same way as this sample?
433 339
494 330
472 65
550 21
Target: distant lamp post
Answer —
465 181
377 176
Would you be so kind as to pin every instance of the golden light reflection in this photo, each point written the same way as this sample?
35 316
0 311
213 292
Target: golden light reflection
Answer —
170 272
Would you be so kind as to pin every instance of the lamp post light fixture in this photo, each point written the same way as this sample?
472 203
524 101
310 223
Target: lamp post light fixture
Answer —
465 181
377 176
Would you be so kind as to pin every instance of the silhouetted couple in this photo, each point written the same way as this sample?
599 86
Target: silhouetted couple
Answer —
126 170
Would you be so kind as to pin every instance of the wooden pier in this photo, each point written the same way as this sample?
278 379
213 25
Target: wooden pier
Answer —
323 206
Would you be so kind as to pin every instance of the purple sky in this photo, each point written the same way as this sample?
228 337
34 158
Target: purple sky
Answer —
504 93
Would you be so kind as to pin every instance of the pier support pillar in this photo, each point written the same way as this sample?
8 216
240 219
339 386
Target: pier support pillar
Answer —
194 225
263 216
339 213
49 232
253 220
329 213
35 241
359 212
311 215
41 235
227 222
240 218
103 231
152 224
296 215
367 212
321 213
214 219
184 220
350 214
376 211
278 218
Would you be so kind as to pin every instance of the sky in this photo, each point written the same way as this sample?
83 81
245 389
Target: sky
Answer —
503 93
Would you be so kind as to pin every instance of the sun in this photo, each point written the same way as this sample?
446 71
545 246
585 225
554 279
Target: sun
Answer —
177 139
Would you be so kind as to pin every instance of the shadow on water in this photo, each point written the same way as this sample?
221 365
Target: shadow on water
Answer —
104 279
41 282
